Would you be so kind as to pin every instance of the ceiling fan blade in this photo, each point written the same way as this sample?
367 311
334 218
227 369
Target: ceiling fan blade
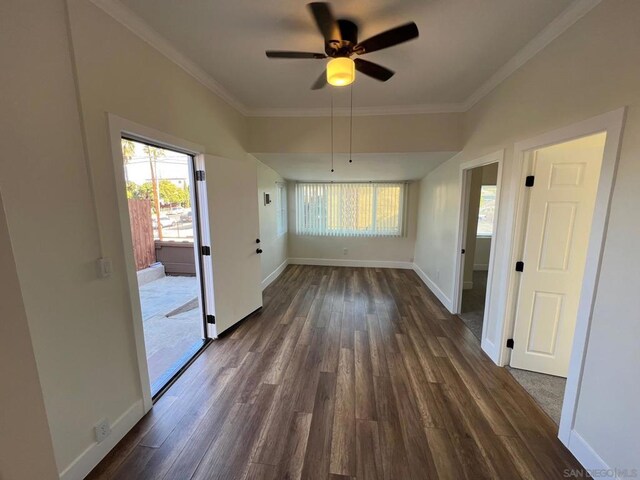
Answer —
285 54
325 20
388 39
321 82
373 70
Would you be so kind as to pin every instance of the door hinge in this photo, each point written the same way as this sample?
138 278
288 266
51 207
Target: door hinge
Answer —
463 251
519 266
200 176
211 319
529 181
510 343
205 250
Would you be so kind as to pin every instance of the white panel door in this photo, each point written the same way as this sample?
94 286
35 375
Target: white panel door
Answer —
234 228
560 211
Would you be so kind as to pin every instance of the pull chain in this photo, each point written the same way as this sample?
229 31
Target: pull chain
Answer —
351 123
332 131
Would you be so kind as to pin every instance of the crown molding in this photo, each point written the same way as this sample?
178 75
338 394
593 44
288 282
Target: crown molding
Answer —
574 12
570 15
142 29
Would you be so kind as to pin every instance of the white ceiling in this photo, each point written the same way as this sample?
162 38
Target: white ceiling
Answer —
462 44
365 167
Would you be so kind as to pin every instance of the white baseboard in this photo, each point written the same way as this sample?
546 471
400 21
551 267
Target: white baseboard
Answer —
480 267
335 262
275 274
446 301
467 285
87 460
583 452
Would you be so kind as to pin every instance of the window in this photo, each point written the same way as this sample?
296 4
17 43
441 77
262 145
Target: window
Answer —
486 211
281 205
350 209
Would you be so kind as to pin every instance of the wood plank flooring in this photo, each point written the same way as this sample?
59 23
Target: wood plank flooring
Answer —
346 373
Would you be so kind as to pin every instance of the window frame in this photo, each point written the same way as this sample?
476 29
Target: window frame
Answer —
485 235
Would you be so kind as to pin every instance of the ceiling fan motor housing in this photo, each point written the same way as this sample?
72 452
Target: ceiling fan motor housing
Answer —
344 47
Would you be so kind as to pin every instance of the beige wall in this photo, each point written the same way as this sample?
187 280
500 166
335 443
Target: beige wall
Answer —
274 246
383 249
371 134
81 326
43 179
482 253
26 451
590 69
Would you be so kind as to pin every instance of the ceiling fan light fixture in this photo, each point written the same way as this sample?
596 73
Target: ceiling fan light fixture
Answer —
341 71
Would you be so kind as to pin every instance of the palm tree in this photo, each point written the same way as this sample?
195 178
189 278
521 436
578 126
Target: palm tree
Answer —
128 150
153 153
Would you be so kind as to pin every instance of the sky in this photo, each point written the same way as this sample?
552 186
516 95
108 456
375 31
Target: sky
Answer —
173 166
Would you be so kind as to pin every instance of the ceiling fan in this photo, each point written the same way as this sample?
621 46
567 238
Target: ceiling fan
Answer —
341 43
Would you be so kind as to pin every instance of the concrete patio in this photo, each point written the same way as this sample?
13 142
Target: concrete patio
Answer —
172 322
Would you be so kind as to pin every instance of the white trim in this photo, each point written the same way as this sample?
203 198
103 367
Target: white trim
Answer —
458 277
431 285
143 30
128 18
87 460
612 123
335 262
275 274
583 452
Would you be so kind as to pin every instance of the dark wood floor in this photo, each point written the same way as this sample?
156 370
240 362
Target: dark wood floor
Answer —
345 373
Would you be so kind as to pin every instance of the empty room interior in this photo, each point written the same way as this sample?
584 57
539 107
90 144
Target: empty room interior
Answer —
392 239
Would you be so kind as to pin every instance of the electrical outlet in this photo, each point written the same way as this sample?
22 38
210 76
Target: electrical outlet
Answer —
102 430
345 251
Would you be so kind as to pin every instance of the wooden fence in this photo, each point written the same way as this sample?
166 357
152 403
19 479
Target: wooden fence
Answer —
144 250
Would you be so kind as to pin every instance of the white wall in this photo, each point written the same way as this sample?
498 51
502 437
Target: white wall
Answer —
387 250
26 451
591 69
274 246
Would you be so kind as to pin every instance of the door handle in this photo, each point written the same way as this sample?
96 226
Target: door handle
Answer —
258 250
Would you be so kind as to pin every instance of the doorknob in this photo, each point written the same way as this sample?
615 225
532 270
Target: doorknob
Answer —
258 250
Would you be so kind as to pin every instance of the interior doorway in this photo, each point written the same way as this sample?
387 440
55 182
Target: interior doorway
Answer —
163 199
558 205
481 184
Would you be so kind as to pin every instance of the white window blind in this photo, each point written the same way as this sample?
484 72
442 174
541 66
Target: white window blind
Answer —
281 205
350 209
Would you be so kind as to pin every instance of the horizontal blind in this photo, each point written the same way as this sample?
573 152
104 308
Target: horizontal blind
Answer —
350 209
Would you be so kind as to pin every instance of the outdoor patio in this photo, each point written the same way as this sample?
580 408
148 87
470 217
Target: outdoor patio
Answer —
172 321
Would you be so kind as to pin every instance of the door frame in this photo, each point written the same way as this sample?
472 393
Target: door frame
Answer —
458 278
612 123
119 127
